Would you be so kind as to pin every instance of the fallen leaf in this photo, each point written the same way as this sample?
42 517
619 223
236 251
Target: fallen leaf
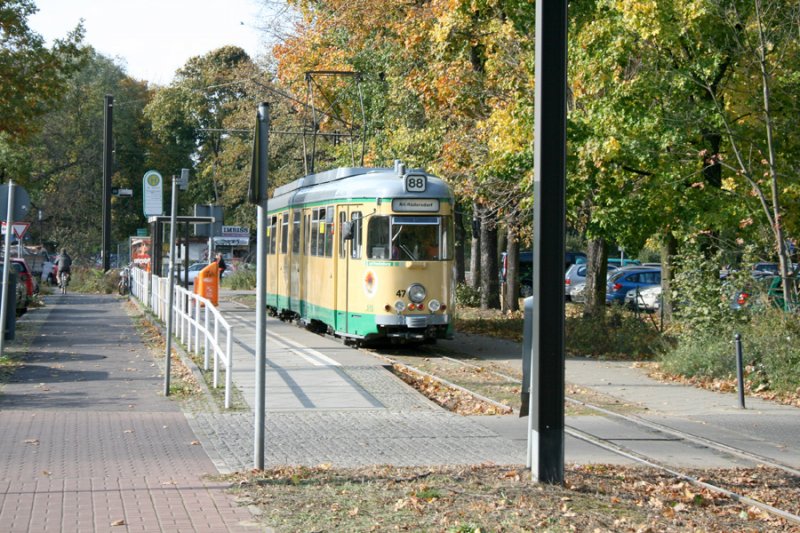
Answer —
118 523
35 442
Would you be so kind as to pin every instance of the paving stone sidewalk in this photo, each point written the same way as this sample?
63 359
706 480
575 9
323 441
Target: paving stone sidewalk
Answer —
89 442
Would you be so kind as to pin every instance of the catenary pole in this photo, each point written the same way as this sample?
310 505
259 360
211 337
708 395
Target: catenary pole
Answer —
258 194
546 408
108 158
171 283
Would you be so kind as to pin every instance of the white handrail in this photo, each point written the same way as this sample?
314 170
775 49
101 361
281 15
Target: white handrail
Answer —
192 314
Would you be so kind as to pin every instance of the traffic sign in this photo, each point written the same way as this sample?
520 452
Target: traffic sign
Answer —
17 228
153 193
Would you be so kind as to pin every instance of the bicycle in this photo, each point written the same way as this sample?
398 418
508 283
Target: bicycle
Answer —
63 281
124 281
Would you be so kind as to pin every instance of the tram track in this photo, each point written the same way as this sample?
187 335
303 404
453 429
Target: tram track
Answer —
474 372
624 451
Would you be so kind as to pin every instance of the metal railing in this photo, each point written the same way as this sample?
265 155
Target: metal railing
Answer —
197 323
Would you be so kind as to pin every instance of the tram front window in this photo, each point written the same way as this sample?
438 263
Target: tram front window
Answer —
409 238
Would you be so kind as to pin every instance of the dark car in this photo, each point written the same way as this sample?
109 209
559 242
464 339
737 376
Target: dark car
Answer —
630 277
21 298
526 269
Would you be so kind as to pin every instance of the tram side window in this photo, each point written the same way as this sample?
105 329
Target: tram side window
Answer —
329 227
315 231
378 238
355 243
273 230
306 229
285 233
296 216
447 240
342 242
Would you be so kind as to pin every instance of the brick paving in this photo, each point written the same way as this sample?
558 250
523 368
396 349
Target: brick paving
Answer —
89 443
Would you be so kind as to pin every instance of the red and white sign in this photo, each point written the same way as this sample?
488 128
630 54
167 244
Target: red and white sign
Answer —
19 228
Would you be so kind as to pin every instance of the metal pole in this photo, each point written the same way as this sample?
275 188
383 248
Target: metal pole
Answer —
262 147
171 283
547 357
6 266
737 339
108 158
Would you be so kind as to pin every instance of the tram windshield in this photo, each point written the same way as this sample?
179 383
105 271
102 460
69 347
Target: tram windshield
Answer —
410 238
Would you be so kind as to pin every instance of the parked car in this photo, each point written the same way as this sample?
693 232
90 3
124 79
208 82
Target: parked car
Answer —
631 277
763 290
25 276
619 262
578 293
526 269
21 297
576 274
194 270
644 298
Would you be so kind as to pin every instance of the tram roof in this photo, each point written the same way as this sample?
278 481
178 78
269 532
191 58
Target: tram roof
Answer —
353 182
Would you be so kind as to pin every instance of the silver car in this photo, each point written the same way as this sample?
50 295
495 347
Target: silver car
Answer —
575 276
644 298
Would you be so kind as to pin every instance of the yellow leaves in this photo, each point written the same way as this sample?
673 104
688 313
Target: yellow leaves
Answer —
640 15
612 147
728 184
505 132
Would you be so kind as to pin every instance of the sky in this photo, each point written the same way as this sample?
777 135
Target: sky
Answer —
153 38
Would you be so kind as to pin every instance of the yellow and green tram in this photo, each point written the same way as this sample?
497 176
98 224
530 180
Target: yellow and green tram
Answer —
364 253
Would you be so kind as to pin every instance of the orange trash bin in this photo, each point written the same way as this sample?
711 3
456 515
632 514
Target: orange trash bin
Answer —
206 284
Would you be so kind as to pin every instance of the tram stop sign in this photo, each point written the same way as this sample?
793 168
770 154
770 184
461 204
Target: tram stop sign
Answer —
22 202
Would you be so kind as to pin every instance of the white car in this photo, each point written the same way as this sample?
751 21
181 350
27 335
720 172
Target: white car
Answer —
646 299
194 270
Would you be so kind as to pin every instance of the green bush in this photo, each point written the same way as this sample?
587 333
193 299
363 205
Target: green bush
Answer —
769 348
243 278
619 335
467 296
93 280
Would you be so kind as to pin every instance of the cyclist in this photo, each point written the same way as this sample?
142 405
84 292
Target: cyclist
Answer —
64 265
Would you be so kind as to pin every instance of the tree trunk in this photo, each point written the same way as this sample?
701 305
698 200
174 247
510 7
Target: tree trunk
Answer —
475 252
669 249
490 283
511 297
460 239
596 269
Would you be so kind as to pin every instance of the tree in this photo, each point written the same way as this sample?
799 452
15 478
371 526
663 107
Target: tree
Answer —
34 76
66 157
767 46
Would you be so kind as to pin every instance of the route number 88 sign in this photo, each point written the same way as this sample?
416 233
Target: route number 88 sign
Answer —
416 182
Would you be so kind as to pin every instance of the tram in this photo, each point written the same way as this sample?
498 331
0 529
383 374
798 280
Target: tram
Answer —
364 253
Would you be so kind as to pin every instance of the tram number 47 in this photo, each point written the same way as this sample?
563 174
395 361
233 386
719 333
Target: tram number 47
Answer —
400 293
416 183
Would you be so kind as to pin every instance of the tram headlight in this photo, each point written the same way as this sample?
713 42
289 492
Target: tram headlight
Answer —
416 293
399 306
434 305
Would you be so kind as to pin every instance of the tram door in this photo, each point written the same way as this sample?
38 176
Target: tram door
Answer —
342 270
294 263
283 260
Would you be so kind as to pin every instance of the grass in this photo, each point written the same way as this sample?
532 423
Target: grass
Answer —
622 335
493 498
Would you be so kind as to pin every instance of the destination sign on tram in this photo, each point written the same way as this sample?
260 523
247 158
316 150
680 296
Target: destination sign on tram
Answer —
425 205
